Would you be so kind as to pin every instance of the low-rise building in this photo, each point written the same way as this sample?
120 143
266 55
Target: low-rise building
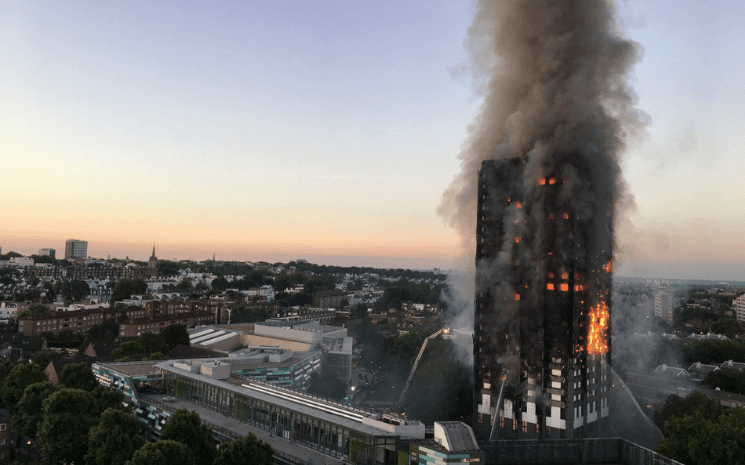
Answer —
135 327
453 442
335 430
77 321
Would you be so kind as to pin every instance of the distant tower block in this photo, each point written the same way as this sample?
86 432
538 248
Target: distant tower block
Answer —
75 249
542 307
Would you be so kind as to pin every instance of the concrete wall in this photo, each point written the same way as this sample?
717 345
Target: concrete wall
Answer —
310 337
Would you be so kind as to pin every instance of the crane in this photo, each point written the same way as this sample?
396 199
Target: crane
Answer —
416 362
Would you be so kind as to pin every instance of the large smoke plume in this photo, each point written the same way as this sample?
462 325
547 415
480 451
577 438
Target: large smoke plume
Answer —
554 77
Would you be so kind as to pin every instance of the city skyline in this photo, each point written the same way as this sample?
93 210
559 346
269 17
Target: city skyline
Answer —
329 131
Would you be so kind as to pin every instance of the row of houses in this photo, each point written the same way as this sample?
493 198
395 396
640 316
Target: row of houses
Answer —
698 370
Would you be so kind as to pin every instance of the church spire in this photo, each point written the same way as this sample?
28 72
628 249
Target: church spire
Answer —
153 255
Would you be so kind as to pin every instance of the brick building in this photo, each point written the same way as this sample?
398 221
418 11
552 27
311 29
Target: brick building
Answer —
77 321
328 299
138 326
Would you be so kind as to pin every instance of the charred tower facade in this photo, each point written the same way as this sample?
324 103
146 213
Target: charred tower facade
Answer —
542 308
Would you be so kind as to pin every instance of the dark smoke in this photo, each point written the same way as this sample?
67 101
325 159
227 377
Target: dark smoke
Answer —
554 75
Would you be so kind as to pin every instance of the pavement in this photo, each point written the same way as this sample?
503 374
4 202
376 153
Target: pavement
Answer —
286 446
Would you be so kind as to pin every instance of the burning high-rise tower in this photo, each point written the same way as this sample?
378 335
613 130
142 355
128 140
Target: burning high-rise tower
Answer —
539 191
543 282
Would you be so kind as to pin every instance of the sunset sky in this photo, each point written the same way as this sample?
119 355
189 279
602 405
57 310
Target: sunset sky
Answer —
329 131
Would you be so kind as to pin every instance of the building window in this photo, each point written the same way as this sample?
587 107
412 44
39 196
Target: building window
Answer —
514 425
3 426
501 422
525 427
548 431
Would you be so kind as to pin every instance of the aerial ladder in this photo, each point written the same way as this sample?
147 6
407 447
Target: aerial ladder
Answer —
416 362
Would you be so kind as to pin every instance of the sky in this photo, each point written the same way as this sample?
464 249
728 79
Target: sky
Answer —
329 131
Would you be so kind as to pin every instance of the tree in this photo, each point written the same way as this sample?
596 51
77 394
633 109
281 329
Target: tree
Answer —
5 368
324 282
125 288
68 416
18 379
78 376
187 428
44 356
163 452
129 347
153 343
36 308
168 268
219 284
175 334
109 398
247 450
698 438
115 439
29 411
157 356
74 290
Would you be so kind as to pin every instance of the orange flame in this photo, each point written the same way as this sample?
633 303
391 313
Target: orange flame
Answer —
597 336
608 267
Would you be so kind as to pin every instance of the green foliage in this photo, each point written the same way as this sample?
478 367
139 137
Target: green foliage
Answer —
44 356
78 376
5 368
29 411
714 351
726 326
125 288
114 440
247 315
220 284
163 452
129 347
688 312
727 381
405 291
68 416
175 334
324 282
18 379
706 439
107 331
109 398
153 343
168 268
36 308
187 428
73 290
123 359
248 449
157 356
676 406
185 284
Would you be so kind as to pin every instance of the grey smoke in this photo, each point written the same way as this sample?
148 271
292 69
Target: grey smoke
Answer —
554 76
